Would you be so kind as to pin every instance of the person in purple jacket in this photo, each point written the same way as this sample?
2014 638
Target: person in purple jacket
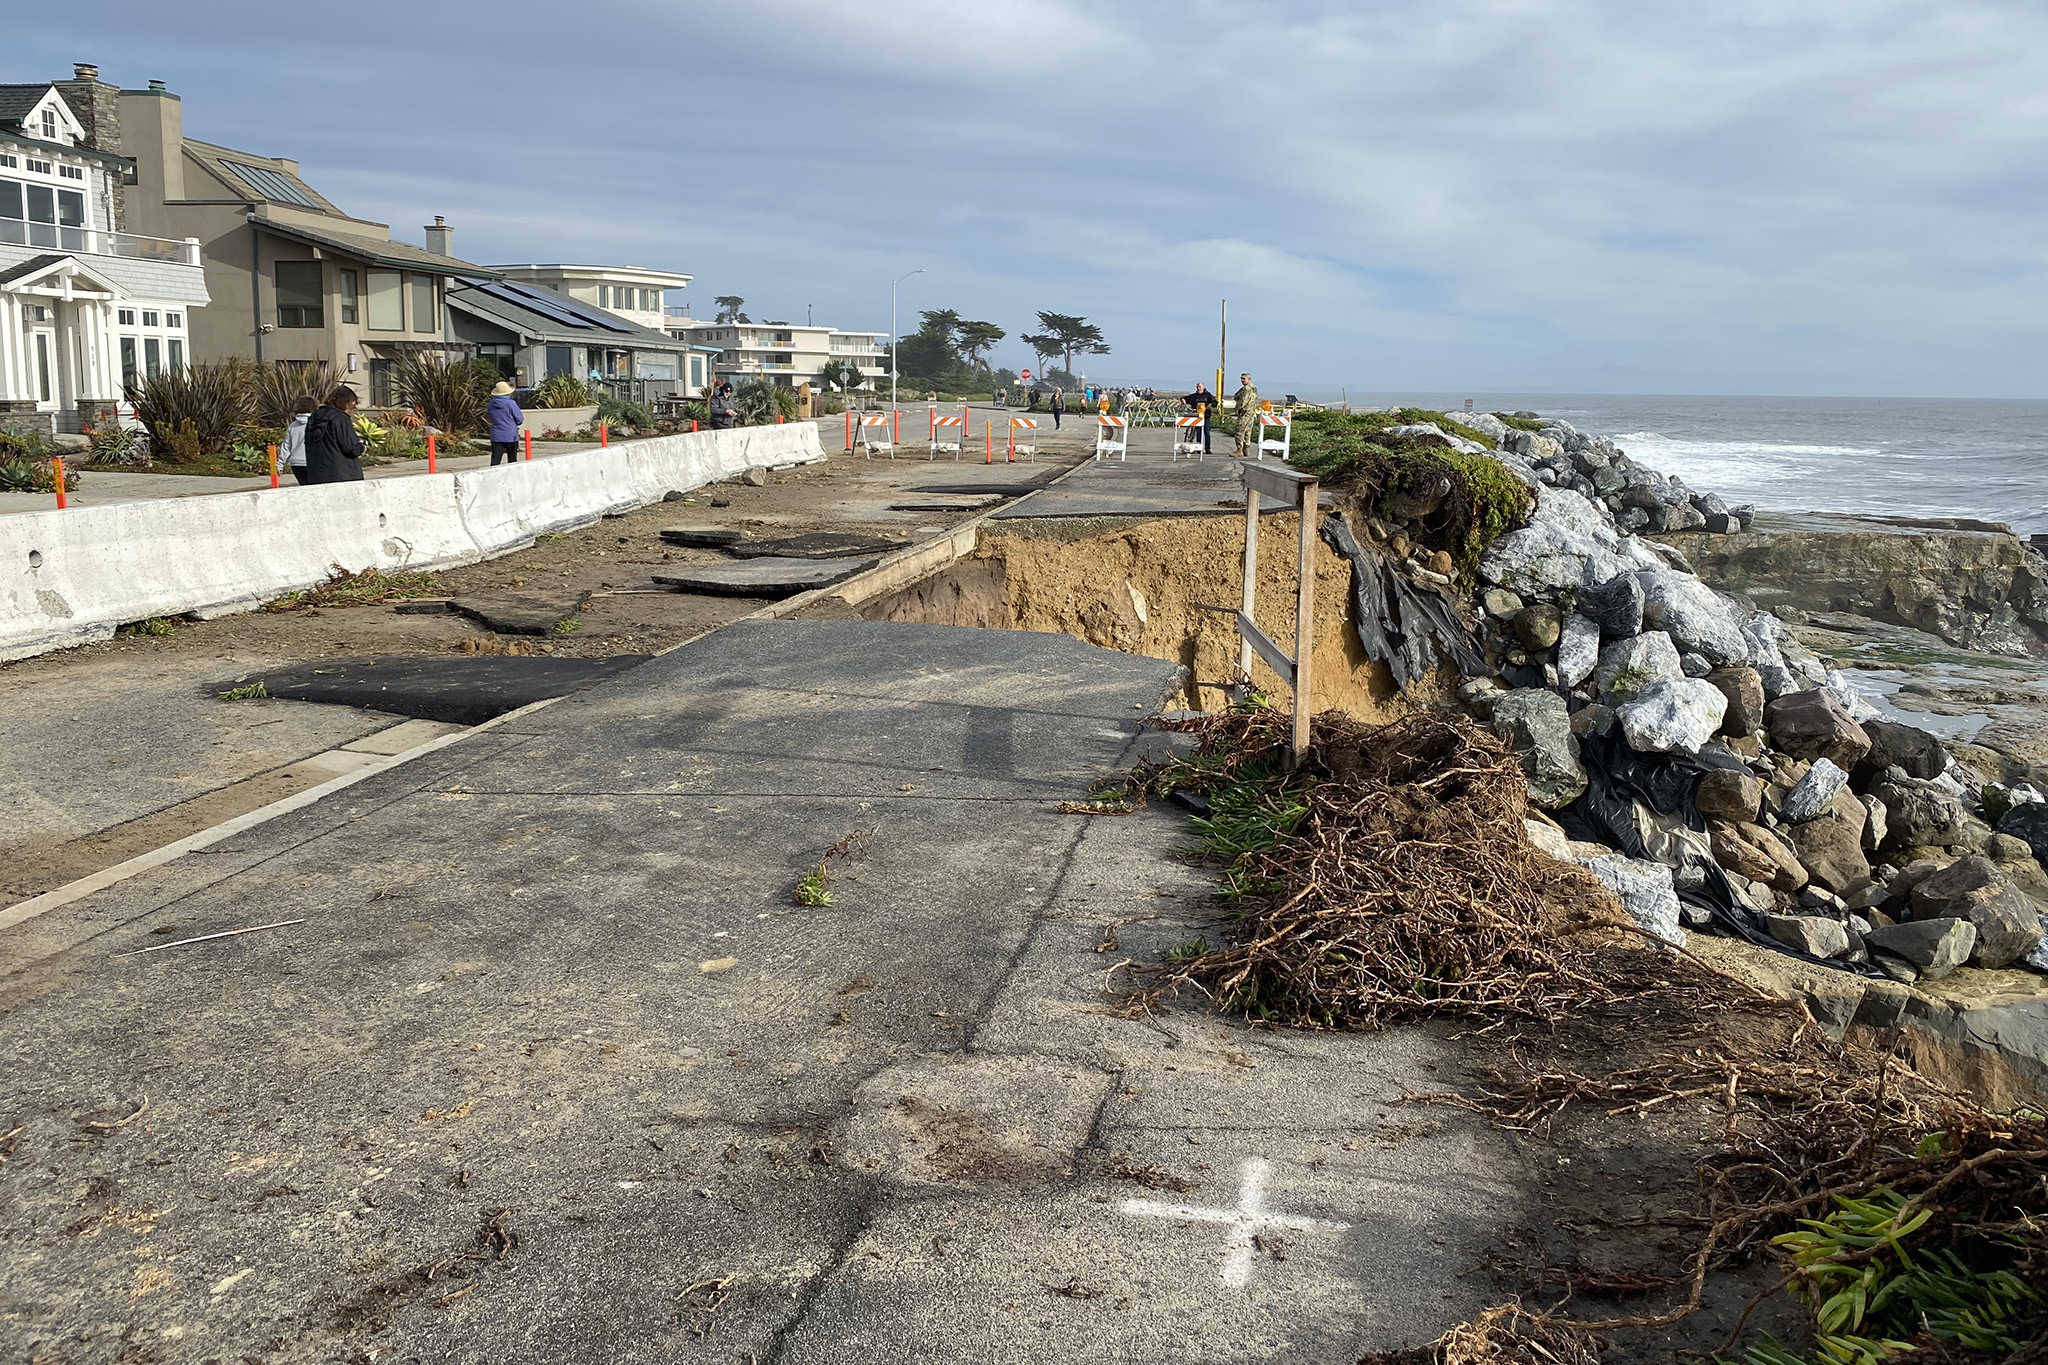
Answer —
506 419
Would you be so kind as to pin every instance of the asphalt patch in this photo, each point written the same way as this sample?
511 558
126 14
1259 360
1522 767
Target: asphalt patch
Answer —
521 613
815 545
774 577
702 537
463 689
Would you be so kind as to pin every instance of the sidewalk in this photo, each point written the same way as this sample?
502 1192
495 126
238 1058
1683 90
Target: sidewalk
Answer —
554 1069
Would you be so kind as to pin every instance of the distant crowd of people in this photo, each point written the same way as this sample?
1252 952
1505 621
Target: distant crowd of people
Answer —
1201 402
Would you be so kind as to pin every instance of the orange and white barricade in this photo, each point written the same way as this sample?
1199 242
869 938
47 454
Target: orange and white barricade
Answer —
947 434
1112 436
876 435
1187 436
1028 446
1269 423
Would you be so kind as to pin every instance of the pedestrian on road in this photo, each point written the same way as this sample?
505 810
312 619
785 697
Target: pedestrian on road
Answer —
295 437
506 419
1247 400
1036 397
334 450
1204 403
1059 406
1002 398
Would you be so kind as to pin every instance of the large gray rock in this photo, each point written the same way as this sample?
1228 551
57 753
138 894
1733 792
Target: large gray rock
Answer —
1812 724
1616 604
1578 650
2008 926
1566 545
1728 794
1919 814
1693 615
2028 820
1627 667
1877 824
1744 689
1831 846
1934 947
1672 716
1809 934
1645 890
1535 725
1814 793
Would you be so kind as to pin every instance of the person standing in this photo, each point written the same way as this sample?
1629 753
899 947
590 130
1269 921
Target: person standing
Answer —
294 452
724 413
334 449
1059 406
1247 400
1204 403
506 419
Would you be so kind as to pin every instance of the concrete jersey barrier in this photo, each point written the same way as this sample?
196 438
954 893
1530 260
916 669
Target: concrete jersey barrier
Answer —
71 577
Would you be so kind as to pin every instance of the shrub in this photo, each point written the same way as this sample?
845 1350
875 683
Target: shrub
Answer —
755 402
275 390
31 474
618 412
117 447
194 412
562 391
447 393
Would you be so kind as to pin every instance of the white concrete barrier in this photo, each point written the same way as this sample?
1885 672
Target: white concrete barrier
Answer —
70 577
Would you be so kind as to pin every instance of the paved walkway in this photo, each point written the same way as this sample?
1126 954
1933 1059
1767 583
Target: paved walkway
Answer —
553 1069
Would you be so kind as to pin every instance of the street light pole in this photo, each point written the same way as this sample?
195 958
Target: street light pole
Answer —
895 342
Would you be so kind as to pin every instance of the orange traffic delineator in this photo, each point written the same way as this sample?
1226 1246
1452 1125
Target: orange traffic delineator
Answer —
273 466
527 437
849 431
988 440
604 434
57 467
430 452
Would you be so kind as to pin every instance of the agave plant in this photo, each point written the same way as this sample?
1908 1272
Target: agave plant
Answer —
562 391
275 390
194 412
447 392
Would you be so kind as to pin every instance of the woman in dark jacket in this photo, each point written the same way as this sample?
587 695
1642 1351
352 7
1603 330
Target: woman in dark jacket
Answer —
334 452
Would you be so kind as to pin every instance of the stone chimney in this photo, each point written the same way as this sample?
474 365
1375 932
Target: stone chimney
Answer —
97 106
440 237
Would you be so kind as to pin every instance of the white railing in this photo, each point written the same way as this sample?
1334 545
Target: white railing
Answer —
99 242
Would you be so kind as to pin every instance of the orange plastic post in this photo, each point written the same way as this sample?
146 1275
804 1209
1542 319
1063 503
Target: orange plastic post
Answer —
1013 440
693 424
527 437
896 425
932 416
430 452
57 468
779 419
604 433
988 440
849 431
273 466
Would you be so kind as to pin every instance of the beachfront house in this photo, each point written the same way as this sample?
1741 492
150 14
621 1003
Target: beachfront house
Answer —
86 304
787 354
628 293
291 275
532 333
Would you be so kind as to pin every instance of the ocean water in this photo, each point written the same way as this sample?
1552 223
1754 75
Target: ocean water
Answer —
1896 457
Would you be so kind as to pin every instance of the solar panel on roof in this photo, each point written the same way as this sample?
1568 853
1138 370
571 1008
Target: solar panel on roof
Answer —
552 306
270 184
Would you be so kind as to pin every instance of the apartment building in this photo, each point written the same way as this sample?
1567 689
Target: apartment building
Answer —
786 353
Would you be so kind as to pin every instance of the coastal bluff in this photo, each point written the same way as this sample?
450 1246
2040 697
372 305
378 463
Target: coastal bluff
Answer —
1974 584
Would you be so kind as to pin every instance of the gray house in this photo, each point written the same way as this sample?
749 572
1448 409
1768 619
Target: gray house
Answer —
531 333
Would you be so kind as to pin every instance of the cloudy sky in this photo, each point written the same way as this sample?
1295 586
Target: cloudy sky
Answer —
1626 196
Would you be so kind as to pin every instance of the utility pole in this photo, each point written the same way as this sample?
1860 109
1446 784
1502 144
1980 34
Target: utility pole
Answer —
1222 347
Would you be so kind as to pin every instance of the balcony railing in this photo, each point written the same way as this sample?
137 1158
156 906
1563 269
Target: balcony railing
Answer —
99 242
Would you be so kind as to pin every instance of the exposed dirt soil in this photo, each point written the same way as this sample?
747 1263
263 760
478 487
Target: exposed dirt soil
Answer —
1140 586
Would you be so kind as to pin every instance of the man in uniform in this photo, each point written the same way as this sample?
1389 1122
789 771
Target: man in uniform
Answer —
1247 400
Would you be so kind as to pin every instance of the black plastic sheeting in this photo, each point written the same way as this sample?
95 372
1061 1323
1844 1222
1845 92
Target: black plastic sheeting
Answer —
1404 627
1617 777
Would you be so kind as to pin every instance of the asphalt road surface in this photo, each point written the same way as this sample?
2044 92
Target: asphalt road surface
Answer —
552 1068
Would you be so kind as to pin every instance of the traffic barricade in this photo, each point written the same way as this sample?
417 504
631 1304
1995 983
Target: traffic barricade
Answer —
877 434
1187 437
1028 447
1112 436
1269 422
947 434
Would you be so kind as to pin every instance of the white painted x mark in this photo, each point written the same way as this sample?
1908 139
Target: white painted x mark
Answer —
1250 1220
